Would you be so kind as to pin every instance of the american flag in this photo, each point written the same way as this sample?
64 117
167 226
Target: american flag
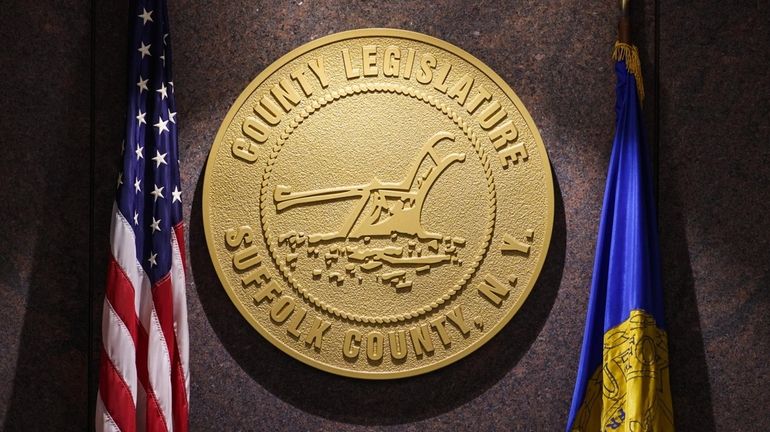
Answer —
144 381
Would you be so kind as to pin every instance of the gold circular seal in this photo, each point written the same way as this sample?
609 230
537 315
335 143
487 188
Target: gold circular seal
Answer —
378 203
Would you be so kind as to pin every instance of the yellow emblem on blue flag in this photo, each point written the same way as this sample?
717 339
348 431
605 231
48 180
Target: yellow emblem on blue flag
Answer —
623 378
630 390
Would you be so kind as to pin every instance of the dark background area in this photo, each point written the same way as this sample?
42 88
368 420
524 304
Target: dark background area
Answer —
708 117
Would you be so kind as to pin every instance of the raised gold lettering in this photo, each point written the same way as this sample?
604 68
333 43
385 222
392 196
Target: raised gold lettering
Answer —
285 94
296 321
440 80
266 292
491 115
369 60
375 342
351 343
504 134
317 66
268 111
350 72
281 309
303 81
397 342
511 244
245 151
257 277
427 63
461 88
244 259
482 96
391 65
255 129
421 340
456 317
317 331
248 258
515 153
493 290
409 63
235 236
438 324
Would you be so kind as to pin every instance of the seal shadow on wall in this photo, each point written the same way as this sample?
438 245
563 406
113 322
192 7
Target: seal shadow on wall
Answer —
375 402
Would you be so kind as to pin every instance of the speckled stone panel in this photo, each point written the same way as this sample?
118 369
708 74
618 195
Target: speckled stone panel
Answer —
714 179
555 55
714 206
44 261
110 58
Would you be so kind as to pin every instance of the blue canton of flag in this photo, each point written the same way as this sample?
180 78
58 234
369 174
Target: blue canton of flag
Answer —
150 193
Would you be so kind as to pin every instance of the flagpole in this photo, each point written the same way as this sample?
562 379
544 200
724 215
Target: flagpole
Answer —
624 22
625 49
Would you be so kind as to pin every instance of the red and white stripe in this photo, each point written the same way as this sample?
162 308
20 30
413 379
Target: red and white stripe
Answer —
144 380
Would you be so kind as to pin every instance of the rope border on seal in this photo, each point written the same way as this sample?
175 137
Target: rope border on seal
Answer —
355 89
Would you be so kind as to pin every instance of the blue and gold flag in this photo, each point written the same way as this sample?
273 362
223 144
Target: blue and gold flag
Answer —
622 382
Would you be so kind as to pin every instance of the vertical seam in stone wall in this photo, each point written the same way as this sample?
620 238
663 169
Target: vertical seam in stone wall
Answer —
656 109
91 216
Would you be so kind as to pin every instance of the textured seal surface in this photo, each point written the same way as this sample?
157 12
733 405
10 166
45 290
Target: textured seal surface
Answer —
378 203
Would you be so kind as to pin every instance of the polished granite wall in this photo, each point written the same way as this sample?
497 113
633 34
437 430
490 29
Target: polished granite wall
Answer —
709 126
44 215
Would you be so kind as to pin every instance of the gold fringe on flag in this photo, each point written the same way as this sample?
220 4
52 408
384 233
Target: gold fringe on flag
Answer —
630 54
